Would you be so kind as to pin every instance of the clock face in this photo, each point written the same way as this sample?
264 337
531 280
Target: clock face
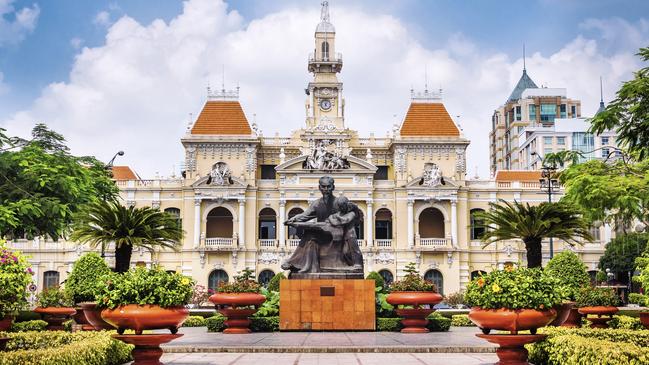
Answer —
325 104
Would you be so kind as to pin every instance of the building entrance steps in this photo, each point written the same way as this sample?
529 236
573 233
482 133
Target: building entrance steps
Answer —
457 340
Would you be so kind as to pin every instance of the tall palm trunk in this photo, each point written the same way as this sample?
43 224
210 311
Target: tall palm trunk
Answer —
123 257
534 255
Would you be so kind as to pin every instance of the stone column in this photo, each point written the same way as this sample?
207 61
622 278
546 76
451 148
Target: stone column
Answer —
281 228
242 222
411 225
454 223
197 222
370 224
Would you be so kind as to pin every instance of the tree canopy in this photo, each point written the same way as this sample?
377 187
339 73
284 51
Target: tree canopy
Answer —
42 185
622 251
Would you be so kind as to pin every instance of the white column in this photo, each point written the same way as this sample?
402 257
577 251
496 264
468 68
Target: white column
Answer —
454 223
411 225
197 222
281 228
242 222
370 225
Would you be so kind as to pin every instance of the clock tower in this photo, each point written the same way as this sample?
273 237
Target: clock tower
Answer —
325 107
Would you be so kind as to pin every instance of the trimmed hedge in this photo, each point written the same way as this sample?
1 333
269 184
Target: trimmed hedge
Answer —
264 324
436 323
63 348
388 324
566 346
626 322
215 323
195 321
35 325
461 320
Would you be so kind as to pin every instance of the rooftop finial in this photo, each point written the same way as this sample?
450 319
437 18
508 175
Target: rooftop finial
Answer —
426 78
524 57
223 77
601 91
324 13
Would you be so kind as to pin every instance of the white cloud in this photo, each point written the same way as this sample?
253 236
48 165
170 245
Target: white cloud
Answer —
76 42
16 24
135 91
102 18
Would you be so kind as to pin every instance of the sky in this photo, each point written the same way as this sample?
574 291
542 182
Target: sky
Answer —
127 74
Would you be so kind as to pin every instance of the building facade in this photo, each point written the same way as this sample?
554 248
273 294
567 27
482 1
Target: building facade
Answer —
239 187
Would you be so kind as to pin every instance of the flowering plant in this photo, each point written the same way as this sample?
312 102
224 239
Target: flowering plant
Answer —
200 295
144 286
54 297
412 282
511 288
15 275
243 283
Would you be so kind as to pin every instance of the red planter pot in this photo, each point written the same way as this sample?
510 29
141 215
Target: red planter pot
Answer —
93 315
81 320
602 314
5 323
573 320
644 318
414 319
229 305
563 312
512 320
147 349
511 350
145 317
55 316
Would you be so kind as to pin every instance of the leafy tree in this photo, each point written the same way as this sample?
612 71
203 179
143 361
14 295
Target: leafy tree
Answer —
532 224
128 227
570 272
42 185
622 251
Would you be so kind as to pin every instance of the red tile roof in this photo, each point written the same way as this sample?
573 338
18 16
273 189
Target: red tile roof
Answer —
123 173
428 119
222 117
518 175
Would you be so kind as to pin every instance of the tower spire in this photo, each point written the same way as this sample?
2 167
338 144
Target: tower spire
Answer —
324 13
524 68
602 107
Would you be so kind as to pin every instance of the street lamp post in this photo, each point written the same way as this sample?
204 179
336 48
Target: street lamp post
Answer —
108 168
549 185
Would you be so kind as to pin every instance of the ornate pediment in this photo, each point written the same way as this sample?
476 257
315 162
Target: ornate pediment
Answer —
207 182
418 183
354 165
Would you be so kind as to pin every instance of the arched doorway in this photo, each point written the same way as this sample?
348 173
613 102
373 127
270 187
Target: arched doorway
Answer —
50 279
216 277
383 226
431 223
292 231
219 223
476 274
265 276
435 277
387 276
267 224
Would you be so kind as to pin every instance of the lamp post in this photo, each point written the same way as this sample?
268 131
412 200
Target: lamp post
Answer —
549 185
108 168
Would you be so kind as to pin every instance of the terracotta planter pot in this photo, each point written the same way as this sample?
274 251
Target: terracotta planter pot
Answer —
602 314
414 319
93 315
147 349
55 316
145 317
5 323
644 318
573 320
511 320
228 304
511 350
563 312
81 320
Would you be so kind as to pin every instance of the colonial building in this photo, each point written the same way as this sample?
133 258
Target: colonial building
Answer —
239 187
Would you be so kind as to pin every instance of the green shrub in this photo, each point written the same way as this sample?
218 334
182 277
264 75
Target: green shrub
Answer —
438 323
215 323
25 315
388 324
67 325
264 324
270 307
640 299
592 297
81 284
195 321
412 281
626 322
243 283
454 299
378 279
36 325
461 320
63 348
273 284
570 271
53 297
15 275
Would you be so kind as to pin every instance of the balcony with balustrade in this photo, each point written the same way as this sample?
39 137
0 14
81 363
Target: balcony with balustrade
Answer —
267 243
433 243
220 243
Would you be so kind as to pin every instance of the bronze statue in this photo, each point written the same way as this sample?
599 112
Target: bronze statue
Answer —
328 246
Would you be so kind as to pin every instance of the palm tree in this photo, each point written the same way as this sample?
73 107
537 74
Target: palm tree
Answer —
108 221
532 224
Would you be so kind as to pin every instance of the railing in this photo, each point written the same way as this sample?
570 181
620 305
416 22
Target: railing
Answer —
360 243
267 243
293 242
504 184
434 242
219 242
374 141
530 184
338 57
276 141
383 243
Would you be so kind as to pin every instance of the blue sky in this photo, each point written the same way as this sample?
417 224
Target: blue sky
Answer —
450 36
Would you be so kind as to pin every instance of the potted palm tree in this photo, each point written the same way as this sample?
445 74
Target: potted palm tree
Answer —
55 305
81 285
414 298
600 303
15 275
238 301
532 224
572 275
108 221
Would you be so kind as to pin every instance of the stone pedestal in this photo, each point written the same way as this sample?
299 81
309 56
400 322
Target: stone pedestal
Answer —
327 304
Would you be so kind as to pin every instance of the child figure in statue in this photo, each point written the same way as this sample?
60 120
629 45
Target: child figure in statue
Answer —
345 219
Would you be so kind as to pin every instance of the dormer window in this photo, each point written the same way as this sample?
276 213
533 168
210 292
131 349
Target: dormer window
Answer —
325 51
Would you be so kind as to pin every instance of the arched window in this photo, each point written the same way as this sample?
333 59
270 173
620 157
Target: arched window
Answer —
383 227
265 276
50 279
176 213
267 224
216 277
431 223
292 231
435 276
477 224
476 274
219 223
387 276
325 50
